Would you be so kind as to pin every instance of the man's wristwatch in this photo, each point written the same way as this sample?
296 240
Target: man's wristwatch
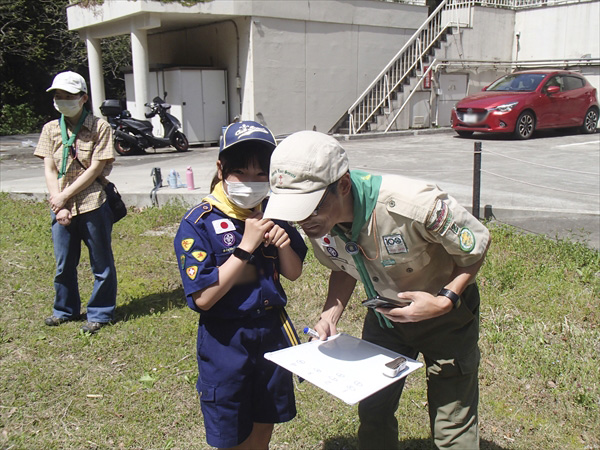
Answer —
242 254
453 296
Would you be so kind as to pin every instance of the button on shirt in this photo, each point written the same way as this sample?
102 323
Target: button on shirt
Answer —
206 239
94 142
413 240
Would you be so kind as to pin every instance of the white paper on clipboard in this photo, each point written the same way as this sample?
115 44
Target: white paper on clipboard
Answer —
346 367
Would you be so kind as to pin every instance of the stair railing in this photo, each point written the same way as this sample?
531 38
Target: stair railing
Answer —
405 63
422 77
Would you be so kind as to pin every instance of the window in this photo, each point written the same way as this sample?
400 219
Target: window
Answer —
572 82
555 81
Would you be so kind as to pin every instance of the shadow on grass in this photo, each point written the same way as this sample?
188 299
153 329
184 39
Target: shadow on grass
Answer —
351 443
150 304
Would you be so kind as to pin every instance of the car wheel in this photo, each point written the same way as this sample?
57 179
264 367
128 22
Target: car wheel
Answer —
590 121
125 148
180 142
525 125
462 133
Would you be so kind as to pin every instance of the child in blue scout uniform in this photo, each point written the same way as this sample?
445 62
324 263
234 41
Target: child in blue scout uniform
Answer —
230 259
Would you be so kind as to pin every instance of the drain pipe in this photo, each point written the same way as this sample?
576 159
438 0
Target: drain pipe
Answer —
238 78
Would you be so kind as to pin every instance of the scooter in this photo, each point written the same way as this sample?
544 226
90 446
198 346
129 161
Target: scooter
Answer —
134 136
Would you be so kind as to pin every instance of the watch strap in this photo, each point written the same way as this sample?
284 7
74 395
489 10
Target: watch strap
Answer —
453 296
242 254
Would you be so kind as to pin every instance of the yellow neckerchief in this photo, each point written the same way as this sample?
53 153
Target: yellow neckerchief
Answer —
219 200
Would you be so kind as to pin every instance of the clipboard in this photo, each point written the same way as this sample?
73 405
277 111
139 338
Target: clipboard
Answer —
347 367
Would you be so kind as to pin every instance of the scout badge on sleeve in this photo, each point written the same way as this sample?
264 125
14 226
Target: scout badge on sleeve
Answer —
186 244
467 240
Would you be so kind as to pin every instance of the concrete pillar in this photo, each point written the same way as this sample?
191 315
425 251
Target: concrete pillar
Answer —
96 86
139 56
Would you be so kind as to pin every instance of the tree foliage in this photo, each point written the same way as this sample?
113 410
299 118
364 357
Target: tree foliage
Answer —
35 44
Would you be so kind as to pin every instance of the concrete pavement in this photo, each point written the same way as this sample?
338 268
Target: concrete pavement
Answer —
549 184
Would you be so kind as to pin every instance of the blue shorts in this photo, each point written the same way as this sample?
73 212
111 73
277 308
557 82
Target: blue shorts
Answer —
237 385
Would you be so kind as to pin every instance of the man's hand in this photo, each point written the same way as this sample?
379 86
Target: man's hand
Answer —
424 306
325 329
64 217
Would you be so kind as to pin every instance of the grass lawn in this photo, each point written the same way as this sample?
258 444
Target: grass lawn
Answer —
132 385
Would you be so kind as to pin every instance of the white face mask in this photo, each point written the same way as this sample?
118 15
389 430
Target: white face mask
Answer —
69 108
247 195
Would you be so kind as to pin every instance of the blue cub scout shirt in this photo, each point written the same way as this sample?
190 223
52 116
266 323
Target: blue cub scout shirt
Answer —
206 239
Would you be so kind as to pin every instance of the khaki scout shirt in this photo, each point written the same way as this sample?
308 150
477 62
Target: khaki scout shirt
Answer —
94 142
415 236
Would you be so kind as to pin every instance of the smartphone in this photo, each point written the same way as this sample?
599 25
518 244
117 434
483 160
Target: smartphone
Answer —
382 302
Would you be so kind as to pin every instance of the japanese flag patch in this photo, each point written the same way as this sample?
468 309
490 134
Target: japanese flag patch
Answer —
223 226
328 241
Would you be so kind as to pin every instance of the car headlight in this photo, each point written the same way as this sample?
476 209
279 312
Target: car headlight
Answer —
505 108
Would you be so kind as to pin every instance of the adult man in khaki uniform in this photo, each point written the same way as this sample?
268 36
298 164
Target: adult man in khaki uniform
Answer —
403 239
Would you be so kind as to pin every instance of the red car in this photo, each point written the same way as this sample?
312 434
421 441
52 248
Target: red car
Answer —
523 102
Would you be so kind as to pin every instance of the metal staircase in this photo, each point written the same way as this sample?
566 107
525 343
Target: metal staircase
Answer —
377 108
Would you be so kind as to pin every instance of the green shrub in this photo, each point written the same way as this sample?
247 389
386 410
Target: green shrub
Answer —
18 119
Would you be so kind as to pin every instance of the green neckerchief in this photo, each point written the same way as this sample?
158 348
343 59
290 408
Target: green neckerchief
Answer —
68 141
365 191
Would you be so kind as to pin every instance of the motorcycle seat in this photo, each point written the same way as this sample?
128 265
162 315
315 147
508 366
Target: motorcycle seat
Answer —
139 124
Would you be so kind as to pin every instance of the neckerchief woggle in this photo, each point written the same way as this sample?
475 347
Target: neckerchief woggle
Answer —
219 200
67 141
365 190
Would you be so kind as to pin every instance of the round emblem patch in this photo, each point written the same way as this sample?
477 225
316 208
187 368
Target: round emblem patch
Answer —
351 248
466 240
332 251
229 239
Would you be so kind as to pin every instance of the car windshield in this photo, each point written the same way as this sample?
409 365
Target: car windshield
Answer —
517 82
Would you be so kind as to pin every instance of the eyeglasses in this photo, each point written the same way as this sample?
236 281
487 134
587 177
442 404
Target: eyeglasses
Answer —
316 211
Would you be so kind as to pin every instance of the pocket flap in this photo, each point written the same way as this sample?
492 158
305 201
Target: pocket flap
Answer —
207 392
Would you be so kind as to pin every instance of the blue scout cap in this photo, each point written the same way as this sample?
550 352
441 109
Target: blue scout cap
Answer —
246 130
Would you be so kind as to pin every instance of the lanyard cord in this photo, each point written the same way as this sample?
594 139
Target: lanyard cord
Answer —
384 322
67 141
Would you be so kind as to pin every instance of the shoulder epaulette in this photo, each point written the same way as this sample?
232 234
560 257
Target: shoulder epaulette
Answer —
198 211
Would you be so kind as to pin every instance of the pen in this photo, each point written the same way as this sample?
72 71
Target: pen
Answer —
311 332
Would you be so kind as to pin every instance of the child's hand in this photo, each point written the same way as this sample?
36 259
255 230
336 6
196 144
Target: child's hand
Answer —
256 228
277 236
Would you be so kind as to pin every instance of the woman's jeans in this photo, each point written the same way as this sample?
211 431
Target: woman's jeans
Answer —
94 229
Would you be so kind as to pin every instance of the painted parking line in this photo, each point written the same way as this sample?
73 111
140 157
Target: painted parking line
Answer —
579 143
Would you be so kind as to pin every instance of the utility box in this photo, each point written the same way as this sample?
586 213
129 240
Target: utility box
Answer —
453 87
198 98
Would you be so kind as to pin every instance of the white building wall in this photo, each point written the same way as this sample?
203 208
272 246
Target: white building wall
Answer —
559 32
489 39
307 74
